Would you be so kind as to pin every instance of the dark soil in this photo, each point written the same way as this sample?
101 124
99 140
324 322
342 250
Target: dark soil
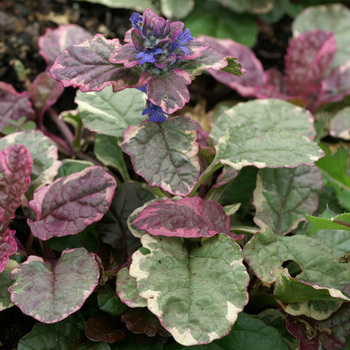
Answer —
22 22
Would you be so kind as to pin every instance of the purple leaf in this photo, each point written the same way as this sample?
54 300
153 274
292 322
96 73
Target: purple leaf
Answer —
169 90
51 291
165 154
44 92
8 247
188 217
54 41
70 204
125 55
87 66
308 56
332 333
14 105
15 169
255 75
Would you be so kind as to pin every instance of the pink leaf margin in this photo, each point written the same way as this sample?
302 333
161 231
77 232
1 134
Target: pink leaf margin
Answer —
189 217
70 204
8 247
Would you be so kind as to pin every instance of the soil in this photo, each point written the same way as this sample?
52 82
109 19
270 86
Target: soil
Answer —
22 22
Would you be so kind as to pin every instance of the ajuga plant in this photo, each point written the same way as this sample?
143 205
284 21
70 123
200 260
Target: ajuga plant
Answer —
212 250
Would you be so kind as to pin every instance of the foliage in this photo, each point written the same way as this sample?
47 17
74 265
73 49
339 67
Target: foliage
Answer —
229 221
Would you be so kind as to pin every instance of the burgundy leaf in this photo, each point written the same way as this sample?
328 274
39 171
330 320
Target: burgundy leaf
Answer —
255 75
70 204
100 329
188 217
87 66
308 56
44 92
14 105
169 90
8 247
15 169
54 41
332 333
141 320
125 55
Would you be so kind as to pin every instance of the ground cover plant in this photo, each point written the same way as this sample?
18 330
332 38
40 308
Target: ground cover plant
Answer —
146 226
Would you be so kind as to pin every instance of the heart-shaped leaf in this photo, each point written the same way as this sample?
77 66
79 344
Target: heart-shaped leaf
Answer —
44 155
70 204
283 196
319 263
265 115
102 329
188 217
111 113
244 145
54 41
165 154
50 292
87 66
14 105
180 282
15 169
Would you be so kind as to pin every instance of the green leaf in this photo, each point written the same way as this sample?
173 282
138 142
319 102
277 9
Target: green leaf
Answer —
176 8
5 283
126 288
110 113
109 302
165 154
302 298
251 6
319 264
244 145
283 196
334 18
340 124
108 151
265 115
338 240
333 168
126 4
71 166
278 11
43 152
208 18
233 67
247 333
63 335
338 222
180 282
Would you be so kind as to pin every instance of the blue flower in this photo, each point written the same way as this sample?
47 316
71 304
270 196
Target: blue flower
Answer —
155 113
180 40
148 55
136 20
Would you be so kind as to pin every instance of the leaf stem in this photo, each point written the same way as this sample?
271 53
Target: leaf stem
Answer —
208 172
